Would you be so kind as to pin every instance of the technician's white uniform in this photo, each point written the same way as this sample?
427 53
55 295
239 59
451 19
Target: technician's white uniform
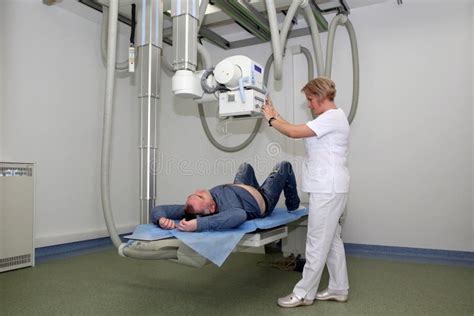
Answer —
326 179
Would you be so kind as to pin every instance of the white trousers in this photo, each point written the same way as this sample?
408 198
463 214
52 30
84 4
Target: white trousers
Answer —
324 245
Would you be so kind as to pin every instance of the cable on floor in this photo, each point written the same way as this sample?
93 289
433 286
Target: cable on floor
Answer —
284 263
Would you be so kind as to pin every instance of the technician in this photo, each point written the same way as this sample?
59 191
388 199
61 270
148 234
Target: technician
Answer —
326 179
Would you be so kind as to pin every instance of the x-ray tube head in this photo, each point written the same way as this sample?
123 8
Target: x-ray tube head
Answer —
228 74
243 78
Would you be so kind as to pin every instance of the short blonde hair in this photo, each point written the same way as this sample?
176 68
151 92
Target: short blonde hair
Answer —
322 88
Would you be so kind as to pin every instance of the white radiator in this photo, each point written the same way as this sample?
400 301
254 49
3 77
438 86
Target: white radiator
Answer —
16 216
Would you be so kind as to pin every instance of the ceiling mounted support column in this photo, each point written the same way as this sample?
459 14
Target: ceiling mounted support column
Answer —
185 14
150 45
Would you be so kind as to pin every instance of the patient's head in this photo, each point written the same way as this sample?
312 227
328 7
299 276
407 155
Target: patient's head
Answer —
200 203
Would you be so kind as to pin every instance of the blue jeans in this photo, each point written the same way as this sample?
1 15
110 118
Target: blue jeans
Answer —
282 178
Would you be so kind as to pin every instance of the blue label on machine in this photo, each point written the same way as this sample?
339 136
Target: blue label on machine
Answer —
258 69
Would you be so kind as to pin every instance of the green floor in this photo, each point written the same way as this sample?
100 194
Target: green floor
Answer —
103 283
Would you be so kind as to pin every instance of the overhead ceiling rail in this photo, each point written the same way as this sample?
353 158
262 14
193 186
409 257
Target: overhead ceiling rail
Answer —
204 32
340 7
248 20
251 8
97 6
320 19
245 13
214 38
248 17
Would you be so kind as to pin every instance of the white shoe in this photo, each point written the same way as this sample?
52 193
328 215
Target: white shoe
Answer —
292 301
328 295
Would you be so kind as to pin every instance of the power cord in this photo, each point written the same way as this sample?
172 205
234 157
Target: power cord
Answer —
284 263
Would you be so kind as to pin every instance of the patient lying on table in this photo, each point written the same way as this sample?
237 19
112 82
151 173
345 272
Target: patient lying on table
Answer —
229 205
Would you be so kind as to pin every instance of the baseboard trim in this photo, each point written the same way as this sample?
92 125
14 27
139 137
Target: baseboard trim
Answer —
419 255
61 239
44 254
47 253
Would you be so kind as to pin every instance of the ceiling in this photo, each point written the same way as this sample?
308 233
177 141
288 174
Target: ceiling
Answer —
226 32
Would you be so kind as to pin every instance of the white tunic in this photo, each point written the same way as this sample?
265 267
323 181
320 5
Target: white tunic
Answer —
325 167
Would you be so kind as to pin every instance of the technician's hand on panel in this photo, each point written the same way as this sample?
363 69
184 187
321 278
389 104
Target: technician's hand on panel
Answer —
268 110
279 123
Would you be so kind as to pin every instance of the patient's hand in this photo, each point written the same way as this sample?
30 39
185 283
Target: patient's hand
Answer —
167 223
188 226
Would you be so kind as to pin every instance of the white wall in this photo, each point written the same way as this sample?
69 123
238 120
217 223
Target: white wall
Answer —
2 80
472 113
53 116
410 158
411 169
